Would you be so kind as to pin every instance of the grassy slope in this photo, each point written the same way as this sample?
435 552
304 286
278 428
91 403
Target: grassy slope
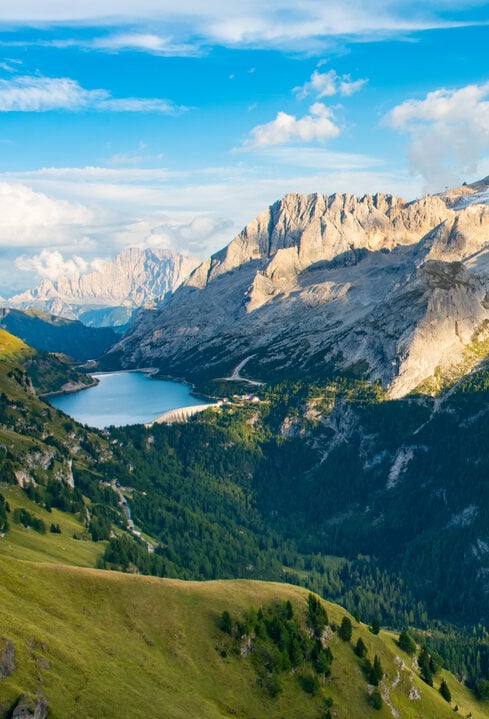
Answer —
114 645
48 372
25 543
12 348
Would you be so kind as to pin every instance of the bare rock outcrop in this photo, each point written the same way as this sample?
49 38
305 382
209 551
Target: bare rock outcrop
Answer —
7 659
373 285
31 707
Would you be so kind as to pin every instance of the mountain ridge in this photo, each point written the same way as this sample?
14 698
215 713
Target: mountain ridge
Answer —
114 289
374 286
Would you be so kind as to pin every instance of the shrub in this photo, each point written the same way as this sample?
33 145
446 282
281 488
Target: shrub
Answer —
376 699
225 622
309 683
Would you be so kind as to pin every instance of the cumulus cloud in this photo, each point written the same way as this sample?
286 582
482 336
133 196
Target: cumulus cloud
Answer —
449 132
318 126
28 217
326 84
51 264
28 93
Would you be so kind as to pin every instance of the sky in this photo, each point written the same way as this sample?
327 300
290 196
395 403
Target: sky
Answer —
173 124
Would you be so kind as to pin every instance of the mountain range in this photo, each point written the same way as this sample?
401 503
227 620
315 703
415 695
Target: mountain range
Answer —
372 286
109 294
357 469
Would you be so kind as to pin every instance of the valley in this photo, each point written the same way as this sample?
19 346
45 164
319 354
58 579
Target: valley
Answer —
359 485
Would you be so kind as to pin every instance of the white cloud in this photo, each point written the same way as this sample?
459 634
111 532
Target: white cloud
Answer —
326 84
318 126
51 264
27 93
144 42
449 132
319 158
95 212
183 232
279 23
29 218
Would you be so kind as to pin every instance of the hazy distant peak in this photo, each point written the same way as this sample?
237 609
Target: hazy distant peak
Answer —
133 278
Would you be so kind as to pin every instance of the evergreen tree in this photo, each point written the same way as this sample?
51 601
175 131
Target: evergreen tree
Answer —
376 673
316 615
3 514
375 626
406 642
360 648
425 667
344 631
482 689
445 691
376 699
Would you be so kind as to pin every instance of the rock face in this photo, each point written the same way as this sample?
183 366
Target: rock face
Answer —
31 707
7 660
373 286
110 294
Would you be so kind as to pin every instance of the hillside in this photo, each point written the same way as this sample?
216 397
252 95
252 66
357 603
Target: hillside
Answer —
372 287
270 490
45 372
56 334
110 294
97 643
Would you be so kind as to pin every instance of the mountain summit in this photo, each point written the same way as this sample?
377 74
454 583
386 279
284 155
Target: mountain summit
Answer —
111 293
390 290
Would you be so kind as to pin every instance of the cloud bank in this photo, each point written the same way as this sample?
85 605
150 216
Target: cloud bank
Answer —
448 131
278 23
50 264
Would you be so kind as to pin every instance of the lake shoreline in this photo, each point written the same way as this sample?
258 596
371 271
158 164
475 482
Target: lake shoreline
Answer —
79 387
125 397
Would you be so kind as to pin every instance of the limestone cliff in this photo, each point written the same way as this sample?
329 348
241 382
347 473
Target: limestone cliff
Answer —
374 286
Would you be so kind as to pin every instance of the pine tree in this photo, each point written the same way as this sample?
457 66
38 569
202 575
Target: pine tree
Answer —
376 699
360 648
424 667
375 626
445 691
406 642
376 672
344 631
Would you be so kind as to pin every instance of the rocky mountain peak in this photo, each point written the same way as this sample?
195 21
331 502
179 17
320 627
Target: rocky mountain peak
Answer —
318 284
132 279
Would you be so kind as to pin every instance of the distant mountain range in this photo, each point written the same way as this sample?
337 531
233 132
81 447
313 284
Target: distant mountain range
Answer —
109 295
371 286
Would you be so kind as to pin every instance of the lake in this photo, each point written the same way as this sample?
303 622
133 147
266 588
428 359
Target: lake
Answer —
124 398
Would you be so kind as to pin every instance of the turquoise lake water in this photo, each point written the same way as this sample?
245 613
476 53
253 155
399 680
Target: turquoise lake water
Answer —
124 398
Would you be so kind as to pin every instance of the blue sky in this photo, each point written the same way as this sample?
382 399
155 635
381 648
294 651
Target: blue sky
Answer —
176 126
